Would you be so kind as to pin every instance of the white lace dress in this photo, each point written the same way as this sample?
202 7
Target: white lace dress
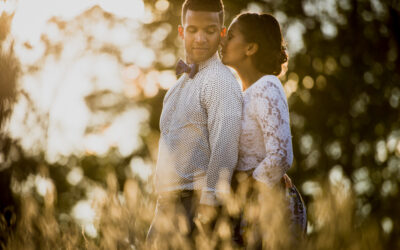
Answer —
266 142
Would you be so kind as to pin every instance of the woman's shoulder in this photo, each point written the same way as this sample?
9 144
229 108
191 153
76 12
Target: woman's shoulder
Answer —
268 90
268 80
268 84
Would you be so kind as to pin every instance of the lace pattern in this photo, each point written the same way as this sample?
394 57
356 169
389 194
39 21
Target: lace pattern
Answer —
265 141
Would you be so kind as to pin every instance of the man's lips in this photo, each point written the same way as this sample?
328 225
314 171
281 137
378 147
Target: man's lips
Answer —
201 49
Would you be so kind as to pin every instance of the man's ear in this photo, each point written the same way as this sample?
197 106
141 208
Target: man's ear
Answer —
223 32
180 31
252 48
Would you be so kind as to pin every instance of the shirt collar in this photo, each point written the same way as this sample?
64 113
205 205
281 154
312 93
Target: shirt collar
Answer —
209 61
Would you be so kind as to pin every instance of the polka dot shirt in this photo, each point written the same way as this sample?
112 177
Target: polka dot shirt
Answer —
200 127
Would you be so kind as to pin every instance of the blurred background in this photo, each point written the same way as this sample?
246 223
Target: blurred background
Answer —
81 90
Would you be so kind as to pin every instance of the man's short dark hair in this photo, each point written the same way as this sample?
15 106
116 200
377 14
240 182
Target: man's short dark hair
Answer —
204 5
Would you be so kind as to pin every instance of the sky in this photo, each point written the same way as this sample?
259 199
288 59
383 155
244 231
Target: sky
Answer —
59 85
31 16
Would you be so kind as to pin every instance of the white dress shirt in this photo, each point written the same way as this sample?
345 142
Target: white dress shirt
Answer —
200 127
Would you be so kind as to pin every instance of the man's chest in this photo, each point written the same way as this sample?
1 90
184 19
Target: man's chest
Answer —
182 107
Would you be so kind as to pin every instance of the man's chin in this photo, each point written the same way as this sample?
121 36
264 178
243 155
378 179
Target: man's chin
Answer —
201 58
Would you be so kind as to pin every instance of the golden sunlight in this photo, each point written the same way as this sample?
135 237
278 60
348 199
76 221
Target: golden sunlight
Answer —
67 52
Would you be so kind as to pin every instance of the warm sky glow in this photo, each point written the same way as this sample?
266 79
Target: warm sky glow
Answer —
31 16
61 82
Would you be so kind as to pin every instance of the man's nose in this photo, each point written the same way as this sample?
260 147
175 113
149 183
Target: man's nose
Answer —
200 37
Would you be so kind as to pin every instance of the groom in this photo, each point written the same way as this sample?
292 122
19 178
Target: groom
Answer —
200 122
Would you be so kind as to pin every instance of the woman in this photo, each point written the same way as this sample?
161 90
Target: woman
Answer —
254 47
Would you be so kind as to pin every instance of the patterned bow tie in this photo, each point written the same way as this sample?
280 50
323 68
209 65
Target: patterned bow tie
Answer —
182 67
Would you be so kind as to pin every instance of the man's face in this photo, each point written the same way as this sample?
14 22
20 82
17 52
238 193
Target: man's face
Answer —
201 33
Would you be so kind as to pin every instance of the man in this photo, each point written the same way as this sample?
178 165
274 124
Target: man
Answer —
200 123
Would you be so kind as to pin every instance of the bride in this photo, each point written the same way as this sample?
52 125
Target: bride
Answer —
254 47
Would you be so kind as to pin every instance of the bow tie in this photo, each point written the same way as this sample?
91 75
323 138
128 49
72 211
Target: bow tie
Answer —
182 67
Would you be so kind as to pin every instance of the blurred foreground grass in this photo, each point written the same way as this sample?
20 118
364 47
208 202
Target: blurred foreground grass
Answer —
122 219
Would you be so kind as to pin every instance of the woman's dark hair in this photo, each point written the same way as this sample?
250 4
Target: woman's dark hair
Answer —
264 30
204 5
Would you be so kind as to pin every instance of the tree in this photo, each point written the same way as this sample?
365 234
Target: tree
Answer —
9 70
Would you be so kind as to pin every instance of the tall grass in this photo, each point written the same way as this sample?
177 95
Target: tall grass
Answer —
123 218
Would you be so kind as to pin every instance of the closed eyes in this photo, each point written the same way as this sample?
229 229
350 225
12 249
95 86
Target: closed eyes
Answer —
209 30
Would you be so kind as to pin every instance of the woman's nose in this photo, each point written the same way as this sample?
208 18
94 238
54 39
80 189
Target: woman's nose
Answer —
223 41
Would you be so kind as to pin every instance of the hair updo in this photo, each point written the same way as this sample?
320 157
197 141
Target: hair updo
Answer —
264 30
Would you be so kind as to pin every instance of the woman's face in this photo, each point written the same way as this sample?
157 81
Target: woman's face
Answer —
233 46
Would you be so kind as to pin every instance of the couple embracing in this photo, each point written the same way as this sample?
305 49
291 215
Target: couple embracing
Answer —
218 141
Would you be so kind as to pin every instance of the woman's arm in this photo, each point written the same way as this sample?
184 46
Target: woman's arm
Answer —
272 115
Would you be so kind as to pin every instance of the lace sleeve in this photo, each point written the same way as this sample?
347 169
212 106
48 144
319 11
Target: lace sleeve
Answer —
272 114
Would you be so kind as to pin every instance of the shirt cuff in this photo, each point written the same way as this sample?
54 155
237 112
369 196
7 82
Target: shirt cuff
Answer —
267 182
208 198
213 198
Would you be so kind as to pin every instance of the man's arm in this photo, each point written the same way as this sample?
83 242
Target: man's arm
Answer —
223 101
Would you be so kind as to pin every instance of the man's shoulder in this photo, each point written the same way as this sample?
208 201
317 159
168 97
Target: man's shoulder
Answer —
219 67
174 87
219 73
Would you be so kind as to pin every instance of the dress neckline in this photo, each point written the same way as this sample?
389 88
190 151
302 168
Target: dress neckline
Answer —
259 80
